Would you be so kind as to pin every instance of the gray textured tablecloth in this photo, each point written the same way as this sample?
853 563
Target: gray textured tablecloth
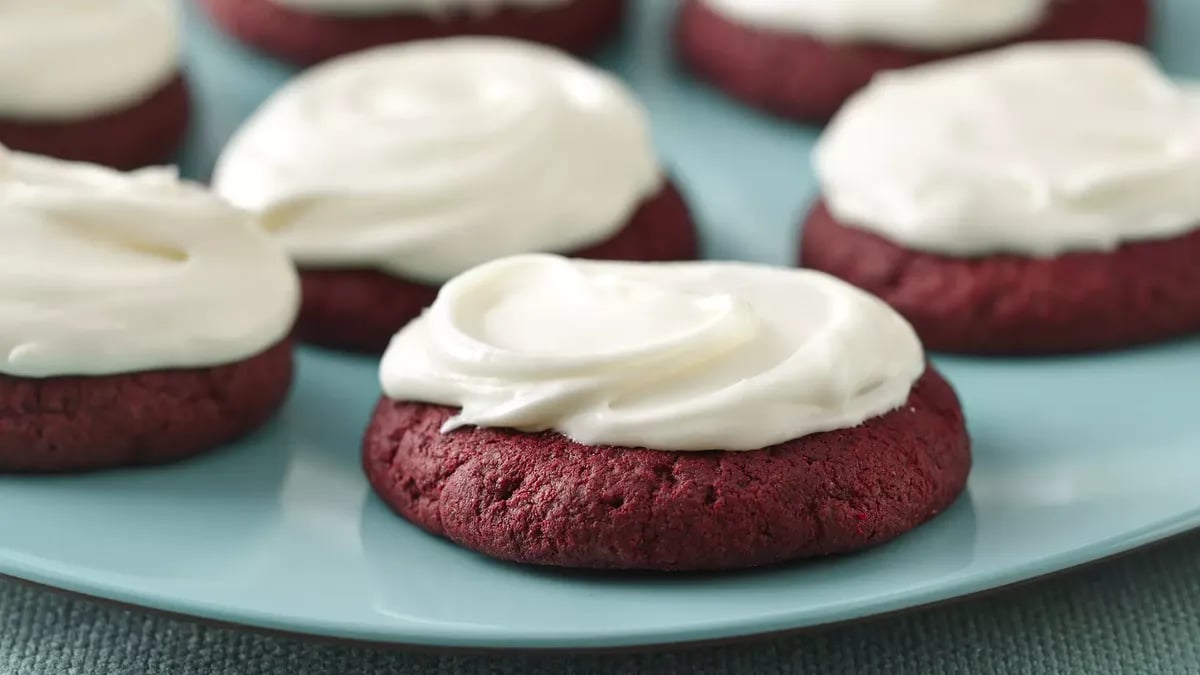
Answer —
1137 614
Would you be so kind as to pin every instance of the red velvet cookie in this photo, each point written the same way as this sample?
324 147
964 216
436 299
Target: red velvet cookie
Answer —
141 135
544 499
59 424
808 78
1007 304
305 38
362 309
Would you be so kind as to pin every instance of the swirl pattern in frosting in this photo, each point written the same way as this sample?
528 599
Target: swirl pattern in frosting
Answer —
918 24
1038 149
670 356
425 159
70 59
103 273
434 8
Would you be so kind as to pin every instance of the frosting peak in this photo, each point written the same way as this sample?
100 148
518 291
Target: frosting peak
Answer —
1037 149
675 356
69 59
103 272
424 159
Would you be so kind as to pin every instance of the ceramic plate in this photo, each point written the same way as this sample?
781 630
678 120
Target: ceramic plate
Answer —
1076 458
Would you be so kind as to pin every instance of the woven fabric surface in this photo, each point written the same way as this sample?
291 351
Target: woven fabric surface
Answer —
1136 614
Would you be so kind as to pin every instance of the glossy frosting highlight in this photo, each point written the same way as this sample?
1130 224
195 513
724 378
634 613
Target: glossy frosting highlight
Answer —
918 24
425 159
1037 149
71 59
671 356
103 272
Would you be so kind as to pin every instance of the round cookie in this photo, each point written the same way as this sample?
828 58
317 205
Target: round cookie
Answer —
114 93
307 37
808 77
546 500
1044 202
1008 304
142 319
362 309
67 424
661 416
386 172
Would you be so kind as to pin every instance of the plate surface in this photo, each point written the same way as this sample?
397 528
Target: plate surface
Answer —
1076 458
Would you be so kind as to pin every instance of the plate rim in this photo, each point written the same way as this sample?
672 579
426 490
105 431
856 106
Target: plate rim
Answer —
712 634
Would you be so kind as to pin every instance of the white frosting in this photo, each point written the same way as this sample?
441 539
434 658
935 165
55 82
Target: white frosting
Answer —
69 59
423 160
672 356
424 7
1035 150
920 24
103 272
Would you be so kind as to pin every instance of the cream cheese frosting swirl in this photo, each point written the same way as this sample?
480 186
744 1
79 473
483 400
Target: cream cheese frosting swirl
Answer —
918 24
671 356
70 59
1038 150
422 160
434 8
103 273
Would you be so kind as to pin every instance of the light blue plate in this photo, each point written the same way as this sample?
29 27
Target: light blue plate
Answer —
1076 458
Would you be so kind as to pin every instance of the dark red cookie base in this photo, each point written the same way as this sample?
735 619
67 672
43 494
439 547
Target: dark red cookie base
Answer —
808 78
361 310
63 424
306 38
546 500
145 134
1007 304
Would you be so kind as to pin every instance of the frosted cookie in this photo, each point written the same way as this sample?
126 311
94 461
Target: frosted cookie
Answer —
803 58
1040 198
141 318
670 416
92 80
387 172
308 31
